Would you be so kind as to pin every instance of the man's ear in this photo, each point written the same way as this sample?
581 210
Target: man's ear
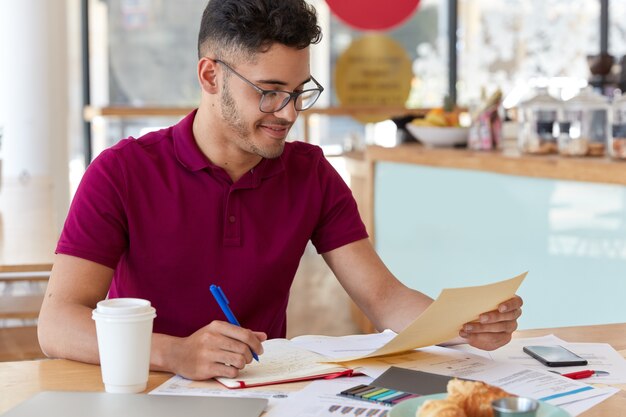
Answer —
207 75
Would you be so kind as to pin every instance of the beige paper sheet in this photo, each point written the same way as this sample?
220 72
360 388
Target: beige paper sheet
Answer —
443 319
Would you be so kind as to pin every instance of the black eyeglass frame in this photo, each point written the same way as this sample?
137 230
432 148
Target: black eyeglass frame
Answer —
293 95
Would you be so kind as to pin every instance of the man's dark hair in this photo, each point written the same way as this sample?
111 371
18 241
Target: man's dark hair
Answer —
251 26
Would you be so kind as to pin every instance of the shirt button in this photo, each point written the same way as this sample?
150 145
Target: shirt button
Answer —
231 219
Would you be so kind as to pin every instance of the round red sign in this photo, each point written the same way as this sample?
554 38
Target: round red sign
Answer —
373 14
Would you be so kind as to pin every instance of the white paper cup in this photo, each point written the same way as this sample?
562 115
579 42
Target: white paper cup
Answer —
124 330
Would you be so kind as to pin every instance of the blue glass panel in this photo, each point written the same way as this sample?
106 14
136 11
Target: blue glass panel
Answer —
439 228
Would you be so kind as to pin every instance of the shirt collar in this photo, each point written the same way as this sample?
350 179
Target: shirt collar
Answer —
186 149
191 157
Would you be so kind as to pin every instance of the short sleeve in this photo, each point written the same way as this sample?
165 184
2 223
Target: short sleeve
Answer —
339 222
96 227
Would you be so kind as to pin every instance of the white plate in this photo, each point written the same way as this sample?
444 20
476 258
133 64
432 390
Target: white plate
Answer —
439 136
409 408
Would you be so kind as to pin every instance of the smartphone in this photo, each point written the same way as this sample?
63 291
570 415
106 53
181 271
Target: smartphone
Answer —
554 355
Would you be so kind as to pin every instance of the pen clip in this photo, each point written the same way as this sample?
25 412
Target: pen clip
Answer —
222 295
218 294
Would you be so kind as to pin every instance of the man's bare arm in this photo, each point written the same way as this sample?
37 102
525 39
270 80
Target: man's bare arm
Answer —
387 302
66 329
391 305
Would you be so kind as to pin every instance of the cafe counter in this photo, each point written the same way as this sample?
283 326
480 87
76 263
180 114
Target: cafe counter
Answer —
442 218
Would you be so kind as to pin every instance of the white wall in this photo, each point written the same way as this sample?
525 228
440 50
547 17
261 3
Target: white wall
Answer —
34 94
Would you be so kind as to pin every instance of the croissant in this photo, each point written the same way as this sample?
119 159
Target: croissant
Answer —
440 408
475 397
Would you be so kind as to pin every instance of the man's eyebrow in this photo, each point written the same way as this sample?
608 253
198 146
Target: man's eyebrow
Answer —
280 83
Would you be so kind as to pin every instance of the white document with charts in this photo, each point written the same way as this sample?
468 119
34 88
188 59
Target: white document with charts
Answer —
284 361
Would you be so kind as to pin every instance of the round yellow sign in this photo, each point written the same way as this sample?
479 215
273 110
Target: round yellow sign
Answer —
375 71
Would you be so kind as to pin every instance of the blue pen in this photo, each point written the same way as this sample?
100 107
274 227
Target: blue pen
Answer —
221 299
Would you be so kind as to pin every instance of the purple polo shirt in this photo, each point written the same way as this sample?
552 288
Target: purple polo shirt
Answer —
171 223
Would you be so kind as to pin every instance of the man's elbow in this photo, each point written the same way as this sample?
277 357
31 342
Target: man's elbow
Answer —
45 336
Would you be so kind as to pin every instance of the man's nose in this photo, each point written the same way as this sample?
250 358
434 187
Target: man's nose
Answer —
288 112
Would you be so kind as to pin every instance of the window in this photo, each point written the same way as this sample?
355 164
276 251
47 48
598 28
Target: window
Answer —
144 54
517 44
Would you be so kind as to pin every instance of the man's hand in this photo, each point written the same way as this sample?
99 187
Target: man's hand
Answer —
217 349
494 328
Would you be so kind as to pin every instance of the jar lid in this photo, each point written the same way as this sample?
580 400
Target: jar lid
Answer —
619 100
542 99
588 99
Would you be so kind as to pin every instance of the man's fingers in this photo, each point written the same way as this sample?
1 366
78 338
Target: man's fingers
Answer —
511 304
495 316
217 349
223 370
262 336
249 338
235 360
487 341
494 328
498 327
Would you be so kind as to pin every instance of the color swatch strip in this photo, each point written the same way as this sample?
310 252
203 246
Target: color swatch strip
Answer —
378 395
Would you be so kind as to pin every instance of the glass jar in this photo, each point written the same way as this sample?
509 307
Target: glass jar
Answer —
584 130
537 117
617 147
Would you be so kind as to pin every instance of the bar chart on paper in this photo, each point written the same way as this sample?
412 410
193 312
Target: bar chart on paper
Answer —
345 410
321 399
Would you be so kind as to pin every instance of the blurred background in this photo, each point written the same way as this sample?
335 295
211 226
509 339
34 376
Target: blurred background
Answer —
76 76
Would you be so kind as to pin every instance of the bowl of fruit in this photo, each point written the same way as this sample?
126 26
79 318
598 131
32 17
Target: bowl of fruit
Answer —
439 128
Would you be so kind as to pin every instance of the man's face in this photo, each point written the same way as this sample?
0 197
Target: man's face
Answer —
262 134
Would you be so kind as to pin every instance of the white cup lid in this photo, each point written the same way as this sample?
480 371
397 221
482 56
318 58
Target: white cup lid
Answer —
123 306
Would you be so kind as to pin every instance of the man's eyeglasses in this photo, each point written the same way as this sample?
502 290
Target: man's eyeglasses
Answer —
275 100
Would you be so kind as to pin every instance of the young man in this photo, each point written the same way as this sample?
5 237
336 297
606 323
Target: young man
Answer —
222 198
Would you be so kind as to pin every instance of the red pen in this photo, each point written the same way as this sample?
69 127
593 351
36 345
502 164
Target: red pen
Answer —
584 374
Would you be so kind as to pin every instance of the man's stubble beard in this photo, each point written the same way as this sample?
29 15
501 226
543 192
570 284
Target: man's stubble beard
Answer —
232 117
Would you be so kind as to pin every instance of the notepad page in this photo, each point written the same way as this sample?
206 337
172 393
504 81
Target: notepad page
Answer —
282 360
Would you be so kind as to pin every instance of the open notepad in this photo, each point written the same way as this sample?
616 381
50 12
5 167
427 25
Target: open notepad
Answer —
286 361
283 361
